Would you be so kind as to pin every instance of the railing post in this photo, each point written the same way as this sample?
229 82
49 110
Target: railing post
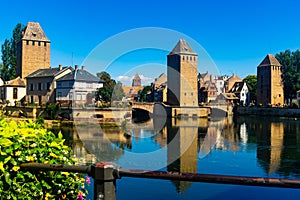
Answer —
104 181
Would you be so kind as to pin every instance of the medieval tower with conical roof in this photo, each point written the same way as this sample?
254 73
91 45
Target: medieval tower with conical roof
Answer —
269 82
182 76
33 50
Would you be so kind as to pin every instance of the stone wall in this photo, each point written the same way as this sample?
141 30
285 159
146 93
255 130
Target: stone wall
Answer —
277 112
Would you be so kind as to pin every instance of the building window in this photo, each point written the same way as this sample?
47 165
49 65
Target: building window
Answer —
27 42
33 43
58 95
279 95
45 44
70 96
58 84
39 43
48 86
192 94
40 86
15 93
31 87
182 57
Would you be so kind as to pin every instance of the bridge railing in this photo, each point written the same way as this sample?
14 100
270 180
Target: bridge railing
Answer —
105 175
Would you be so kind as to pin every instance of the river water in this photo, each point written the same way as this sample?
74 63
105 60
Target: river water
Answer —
243 146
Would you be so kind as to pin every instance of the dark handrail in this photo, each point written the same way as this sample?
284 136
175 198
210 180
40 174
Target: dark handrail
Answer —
192 177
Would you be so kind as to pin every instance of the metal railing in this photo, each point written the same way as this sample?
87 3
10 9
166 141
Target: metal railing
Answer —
105 175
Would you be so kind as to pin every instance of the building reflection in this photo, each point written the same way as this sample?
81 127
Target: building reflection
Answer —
182 151
91 143
270 146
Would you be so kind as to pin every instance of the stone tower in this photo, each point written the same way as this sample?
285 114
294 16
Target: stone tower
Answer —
182 76
33 50
269 82
136 82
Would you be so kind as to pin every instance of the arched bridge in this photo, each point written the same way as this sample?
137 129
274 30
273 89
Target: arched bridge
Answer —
148 106
221 110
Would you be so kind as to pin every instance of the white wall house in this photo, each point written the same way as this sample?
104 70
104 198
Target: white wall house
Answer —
12 91
77 87
240 89
220 83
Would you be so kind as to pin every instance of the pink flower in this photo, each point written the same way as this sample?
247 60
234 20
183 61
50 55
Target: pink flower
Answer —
88 180
80 196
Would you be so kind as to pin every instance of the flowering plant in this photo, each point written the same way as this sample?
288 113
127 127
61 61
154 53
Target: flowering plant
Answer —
26 141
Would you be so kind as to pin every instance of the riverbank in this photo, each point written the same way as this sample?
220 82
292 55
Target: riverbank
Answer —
261 111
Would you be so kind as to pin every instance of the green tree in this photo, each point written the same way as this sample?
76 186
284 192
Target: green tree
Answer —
290 62
105 93
118 92
144 92
251 81
9 53
6 59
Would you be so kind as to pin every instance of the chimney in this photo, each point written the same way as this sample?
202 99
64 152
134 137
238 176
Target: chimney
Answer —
76 67
83 67
60 67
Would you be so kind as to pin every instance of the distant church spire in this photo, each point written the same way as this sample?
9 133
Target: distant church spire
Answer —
136 82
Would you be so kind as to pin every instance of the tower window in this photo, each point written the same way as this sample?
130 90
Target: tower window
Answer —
182 57
33 43
27 42
191 58
45 44
39 43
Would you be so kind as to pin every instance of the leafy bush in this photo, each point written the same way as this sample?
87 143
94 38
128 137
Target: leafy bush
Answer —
26 141
52 110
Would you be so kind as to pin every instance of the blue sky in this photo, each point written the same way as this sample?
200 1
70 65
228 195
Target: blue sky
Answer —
236 35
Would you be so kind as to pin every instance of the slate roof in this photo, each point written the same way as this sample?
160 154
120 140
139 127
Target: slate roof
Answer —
80 75
48 72
34 32
269 60
182 47
237 87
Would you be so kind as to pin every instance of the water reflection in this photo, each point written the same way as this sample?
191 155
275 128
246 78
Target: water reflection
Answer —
182 153
254 146
278 143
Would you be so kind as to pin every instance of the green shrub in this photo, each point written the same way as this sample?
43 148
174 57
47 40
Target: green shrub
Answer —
52 110
40 120
26 141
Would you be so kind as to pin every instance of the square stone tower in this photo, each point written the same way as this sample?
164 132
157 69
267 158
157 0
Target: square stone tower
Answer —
269 82
182 76
33 50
